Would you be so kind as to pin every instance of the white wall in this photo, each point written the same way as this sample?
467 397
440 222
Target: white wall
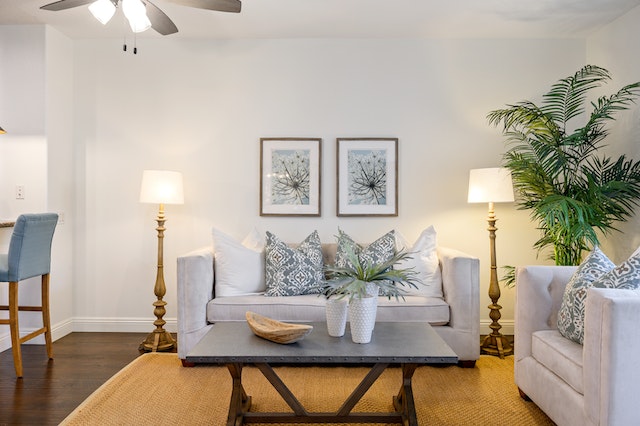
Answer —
61 158
615 47
22 111
23 149
200 107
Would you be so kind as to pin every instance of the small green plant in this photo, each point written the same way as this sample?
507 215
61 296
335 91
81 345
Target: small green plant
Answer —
351 281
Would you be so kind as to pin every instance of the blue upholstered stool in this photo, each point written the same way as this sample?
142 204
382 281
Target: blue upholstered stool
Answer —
29 256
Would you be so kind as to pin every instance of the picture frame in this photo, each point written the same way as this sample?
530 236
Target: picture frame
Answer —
290 172
367 176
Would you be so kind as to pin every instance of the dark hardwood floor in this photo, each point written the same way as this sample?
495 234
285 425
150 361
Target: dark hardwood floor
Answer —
50 390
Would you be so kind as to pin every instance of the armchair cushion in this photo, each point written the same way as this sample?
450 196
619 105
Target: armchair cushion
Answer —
560 355
571 314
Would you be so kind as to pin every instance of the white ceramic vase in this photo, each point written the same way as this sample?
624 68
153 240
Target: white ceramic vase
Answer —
336 311
372 289
362 318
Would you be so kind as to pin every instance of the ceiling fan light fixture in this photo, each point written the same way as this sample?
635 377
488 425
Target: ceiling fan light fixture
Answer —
136 14
102 10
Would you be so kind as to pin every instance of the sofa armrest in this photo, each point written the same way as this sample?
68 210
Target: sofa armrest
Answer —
611 348
194 290
539 291
461 288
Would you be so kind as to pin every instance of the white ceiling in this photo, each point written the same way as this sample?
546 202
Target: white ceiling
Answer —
349 18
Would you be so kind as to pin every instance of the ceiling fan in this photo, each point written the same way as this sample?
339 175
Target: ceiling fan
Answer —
142 14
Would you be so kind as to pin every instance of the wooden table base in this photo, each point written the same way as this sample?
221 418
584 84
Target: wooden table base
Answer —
240 403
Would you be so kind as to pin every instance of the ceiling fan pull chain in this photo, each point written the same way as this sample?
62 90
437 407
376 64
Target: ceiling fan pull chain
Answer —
135 44
124 44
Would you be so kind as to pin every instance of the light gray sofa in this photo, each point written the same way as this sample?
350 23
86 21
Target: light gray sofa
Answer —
597 383
456 316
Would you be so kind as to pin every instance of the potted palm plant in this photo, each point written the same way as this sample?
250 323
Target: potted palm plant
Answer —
360 283
558 172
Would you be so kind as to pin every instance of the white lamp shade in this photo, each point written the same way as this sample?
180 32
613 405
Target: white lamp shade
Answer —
102 10
161 187
491 185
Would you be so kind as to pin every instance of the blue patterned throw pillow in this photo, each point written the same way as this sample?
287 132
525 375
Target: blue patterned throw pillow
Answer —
379 251
624 276
571 314
293 271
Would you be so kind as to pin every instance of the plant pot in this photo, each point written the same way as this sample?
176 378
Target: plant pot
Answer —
362 318
373 290
336 312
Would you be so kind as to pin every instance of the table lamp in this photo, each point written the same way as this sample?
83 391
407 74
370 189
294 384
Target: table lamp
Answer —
492 185
160 187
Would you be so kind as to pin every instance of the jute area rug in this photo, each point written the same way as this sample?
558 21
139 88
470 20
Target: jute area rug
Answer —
156 390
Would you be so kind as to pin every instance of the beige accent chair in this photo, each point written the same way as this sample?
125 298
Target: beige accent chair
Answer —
594 384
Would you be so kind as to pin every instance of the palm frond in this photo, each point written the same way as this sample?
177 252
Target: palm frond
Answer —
566 98
571 192
351 280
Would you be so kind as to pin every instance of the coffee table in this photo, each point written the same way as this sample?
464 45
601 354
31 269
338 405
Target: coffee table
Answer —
406 344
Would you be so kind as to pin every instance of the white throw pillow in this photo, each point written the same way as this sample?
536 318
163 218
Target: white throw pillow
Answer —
239 267
424 260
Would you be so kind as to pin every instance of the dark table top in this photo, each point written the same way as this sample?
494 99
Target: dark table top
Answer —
391 342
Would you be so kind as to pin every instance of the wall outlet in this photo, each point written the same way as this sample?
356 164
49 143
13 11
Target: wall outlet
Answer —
61 218
19 192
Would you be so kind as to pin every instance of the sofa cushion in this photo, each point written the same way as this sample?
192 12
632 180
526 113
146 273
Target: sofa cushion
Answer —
560 355
293 271
311 308
239 267
424 261
571 314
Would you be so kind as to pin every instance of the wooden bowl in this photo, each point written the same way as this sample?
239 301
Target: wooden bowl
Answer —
276 331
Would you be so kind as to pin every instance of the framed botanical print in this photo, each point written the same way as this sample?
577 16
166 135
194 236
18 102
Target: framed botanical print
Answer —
367 181
290 176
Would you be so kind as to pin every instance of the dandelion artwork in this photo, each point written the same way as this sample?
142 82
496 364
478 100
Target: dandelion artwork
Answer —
367 177
290 177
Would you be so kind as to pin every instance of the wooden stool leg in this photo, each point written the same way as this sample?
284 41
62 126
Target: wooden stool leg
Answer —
13 326
46 319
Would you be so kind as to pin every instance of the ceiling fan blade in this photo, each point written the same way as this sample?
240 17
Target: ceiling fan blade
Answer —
218 5
159 20
65 4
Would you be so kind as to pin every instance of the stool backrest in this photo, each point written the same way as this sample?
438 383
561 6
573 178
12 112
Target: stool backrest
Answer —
30 245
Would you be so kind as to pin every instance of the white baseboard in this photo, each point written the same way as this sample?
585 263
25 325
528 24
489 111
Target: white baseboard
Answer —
104 325
121 325
507 327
